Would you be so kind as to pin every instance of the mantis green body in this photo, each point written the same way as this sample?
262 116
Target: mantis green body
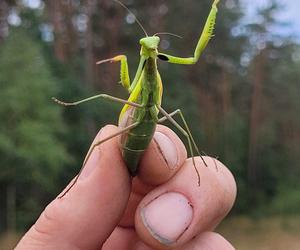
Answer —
139 116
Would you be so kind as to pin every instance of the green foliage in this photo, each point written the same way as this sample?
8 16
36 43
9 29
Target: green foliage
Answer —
31 152
287 201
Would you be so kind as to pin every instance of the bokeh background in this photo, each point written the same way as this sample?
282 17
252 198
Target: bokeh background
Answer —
242 101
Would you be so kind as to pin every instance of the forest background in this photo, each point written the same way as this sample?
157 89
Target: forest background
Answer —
241 101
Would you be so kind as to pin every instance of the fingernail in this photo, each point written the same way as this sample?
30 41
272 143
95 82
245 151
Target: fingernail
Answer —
90 165
167 149
167 217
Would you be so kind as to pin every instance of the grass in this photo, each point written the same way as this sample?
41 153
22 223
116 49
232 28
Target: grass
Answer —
275 233
9 240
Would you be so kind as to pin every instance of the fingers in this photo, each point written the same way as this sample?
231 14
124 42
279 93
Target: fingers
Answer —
208 241
121 239
178 210
126 239
204 241
90 211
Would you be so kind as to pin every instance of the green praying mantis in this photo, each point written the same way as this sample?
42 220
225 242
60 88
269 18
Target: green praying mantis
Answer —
139 116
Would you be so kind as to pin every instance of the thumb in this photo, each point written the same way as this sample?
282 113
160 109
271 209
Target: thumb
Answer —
85 217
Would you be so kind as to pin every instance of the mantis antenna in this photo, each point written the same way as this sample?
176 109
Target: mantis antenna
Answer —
167 33
130 12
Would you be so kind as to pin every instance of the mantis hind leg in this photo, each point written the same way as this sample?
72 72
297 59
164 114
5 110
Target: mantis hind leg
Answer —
186 132
178 111
214 158
91 150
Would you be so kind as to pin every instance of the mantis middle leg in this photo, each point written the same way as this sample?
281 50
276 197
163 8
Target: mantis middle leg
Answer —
104 96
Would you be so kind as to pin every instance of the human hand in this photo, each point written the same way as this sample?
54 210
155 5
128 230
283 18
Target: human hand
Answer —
162 208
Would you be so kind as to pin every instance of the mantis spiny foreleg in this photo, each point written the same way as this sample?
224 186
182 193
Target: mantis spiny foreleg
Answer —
124 72
206 35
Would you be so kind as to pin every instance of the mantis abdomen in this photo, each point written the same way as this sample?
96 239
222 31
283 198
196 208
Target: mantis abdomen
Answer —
136 140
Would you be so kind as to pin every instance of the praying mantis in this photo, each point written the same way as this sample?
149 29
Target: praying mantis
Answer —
139 116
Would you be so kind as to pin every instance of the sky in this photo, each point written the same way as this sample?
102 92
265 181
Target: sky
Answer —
290 13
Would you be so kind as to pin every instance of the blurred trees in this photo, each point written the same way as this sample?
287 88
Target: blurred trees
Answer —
269 157
31 153
241 99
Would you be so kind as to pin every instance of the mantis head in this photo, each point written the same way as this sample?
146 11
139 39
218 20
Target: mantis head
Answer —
150 42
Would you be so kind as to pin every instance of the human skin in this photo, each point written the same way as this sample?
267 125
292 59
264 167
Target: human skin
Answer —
162 208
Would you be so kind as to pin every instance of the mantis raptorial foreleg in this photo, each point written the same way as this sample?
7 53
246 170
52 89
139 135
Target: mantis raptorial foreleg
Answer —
186 133
104 96
91 151
124 73
206 35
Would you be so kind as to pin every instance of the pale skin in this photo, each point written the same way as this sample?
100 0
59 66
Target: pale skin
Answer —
161 208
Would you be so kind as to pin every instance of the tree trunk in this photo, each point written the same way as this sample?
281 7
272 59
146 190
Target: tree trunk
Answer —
3 20
255 117
56 20
225 92
65 39
90 6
